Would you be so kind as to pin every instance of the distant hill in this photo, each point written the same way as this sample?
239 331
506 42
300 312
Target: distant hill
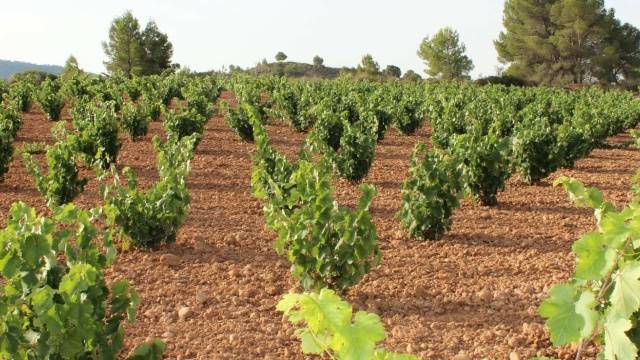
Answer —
287 68
8 68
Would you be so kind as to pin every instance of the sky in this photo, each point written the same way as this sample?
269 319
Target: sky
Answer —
207 35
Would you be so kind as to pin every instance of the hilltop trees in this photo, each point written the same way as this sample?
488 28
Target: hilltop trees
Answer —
368 66
444 55
280 56
318 61
131 52
157 50
393 71
567 41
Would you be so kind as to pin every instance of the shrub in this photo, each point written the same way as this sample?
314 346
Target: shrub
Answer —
135 120
96 128
10 119
56 303
61 184
328 245
333 329
486 164
536 153
22 92
239 120
355 155
6 153
186 123
50 100
430 194
155 216
409 114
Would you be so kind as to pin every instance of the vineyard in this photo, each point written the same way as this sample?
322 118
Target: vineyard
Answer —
217 218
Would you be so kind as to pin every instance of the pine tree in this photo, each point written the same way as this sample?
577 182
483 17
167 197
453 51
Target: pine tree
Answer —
124 49
581 27
132 52
368 66
157 50
526 45
444 55
71 68
567 41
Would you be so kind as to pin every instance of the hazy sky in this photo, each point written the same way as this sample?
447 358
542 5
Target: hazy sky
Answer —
209 34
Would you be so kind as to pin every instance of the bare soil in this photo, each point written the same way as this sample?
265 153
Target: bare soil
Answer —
470 295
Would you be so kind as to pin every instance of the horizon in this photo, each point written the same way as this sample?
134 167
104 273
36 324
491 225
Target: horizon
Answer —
335 31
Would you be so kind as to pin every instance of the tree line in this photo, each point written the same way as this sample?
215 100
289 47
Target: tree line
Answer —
552 42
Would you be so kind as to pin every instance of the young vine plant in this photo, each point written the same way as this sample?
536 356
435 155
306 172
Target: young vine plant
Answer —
334 330
600 304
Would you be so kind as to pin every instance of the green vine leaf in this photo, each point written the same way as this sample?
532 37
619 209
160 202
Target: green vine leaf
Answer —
616 344
594 259
358 340
569 320
625 298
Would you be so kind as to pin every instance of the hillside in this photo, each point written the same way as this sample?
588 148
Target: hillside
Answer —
8 68
294 70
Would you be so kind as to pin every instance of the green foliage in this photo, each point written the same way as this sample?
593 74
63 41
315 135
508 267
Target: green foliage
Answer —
188 122
96 131
132 52
55 302
600 304
155 216
158 50
10 120
280 56
356 151
6 152
486 164
327 244
22 92
61 184
430 194
135 120
410 77
294 102
271 171
239 120
444 56
408 113
393 71
71 69
32 148
318 61
636 137
50 99
332 328
133 88
200 103
536 151
564 42
124 49
368 66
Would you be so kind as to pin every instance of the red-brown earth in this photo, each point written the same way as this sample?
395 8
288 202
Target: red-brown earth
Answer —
472 294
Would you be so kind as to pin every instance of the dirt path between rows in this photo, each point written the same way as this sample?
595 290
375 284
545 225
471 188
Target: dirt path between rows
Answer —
470 295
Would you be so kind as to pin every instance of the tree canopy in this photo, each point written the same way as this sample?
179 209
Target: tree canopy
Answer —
567 41
368 66
318 61
444 55
393 71
280 56
131 52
